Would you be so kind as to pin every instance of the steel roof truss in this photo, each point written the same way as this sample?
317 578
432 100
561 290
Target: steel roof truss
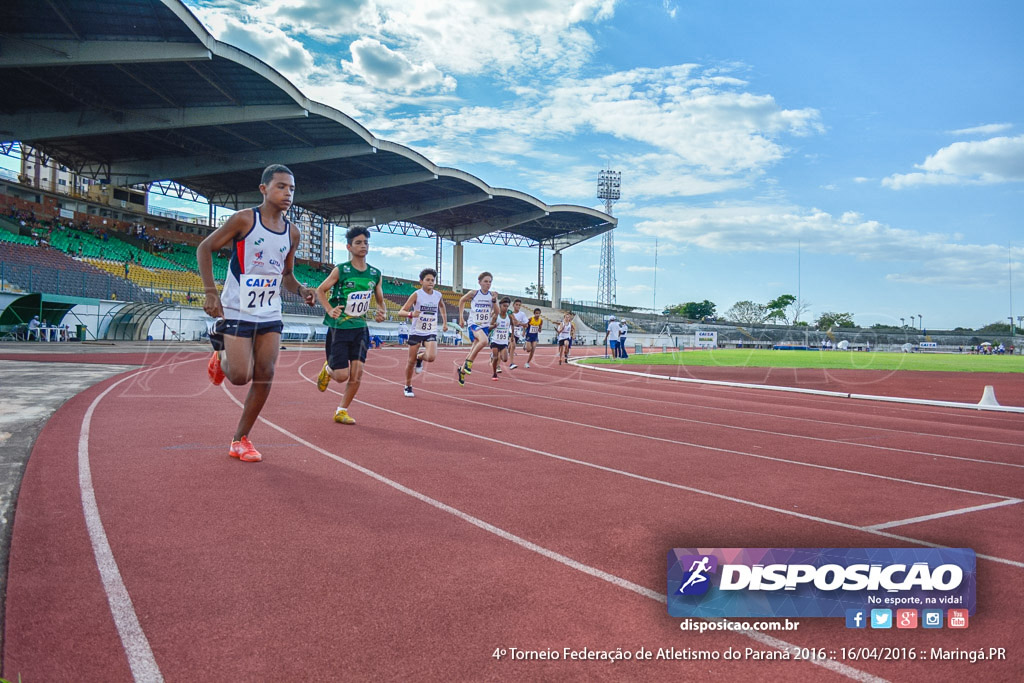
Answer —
42 126
387 214
77 53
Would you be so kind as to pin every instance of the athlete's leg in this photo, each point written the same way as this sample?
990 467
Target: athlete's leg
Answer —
355 376
265 348
410 364
236 360
429 352
479 344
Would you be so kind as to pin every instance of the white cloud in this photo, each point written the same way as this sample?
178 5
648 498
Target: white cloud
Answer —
458 36
259 38
988 129
697 131
927 258
642 269
402 253
997 160
386 69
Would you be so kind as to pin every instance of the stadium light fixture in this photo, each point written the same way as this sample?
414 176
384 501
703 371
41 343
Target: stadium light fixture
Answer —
609 185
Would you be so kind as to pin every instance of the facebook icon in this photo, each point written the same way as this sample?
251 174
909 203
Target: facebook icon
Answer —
856 618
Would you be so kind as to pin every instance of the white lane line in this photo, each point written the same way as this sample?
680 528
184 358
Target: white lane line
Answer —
837 667
136 647
815 392
856 444
669 484
940 515
917 414
715 449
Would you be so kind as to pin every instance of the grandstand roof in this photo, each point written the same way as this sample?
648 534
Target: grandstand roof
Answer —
138 91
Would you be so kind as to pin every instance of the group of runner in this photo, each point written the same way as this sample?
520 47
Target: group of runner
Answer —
492 325
247 331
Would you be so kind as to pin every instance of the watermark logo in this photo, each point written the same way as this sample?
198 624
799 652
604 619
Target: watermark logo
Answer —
881 618
956 618
906 618
696 580
931 618
821 582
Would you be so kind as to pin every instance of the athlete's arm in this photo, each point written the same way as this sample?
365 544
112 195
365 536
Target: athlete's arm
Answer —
288 280
321 293
378 294
234 227
406 311
462 305
444 315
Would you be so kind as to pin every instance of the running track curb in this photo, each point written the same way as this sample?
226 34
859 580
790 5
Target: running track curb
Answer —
797 390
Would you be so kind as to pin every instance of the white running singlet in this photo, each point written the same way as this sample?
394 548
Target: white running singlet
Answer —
480 308
426 323
499 335
252 286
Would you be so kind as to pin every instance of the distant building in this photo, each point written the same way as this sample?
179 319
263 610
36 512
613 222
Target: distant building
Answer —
45 173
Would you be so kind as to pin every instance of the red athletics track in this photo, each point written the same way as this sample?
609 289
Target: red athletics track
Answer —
534 512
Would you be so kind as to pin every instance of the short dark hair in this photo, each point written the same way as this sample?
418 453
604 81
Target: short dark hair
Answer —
505 300
536 310
428 271
352 233
270 171
517 301
482 275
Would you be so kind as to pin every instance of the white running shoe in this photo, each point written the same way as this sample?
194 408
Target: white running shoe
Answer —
408 392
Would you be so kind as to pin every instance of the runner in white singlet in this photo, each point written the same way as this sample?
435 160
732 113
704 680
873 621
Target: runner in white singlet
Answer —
246 336
484 303
426 311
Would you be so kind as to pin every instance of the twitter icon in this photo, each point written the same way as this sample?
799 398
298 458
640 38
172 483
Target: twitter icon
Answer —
881 618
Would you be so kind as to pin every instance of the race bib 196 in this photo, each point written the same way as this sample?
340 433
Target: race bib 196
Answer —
258 295
482 316
358 303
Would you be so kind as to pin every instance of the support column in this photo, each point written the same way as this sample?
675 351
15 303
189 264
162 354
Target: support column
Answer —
541 289
437 257
457 267
556 280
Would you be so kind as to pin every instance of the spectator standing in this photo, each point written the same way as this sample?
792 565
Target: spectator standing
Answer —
611 336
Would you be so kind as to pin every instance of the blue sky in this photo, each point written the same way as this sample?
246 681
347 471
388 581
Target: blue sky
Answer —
883 140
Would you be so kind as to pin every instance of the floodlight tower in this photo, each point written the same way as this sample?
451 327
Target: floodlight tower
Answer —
608 189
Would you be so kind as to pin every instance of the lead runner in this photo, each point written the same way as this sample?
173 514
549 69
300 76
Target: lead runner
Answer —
351 286
247 335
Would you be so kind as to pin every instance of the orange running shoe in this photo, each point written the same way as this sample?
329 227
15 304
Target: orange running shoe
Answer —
245 451
213 369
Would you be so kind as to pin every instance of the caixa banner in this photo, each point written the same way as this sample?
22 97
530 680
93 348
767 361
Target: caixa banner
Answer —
816 582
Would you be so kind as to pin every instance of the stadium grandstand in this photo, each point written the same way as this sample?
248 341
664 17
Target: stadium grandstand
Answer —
201 118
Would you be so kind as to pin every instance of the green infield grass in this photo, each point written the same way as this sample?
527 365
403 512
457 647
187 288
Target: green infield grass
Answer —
839 360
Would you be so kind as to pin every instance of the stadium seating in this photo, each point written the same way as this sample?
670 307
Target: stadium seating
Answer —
47 270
